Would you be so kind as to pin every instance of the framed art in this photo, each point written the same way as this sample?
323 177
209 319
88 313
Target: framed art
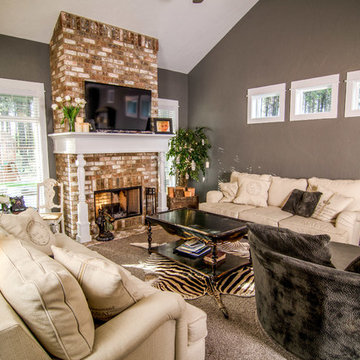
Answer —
162 125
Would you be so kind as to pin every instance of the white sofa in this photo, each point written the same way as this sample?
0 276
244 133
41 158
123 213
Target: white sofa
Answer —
344 227
161 325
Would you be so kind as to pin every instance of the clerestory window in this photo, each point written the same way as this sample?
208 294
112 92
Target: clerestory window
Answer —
315 98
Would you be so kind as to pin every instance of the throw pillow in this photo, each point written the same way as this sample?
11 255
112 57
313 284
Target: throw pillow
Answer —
333 207
103 282
302 203
48 298
253 190
354 266
312 248
229 191
281 188
324 198
30 227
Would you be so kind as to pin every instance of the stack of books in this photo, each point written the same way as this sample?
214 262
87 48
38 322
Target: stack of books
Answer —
193 248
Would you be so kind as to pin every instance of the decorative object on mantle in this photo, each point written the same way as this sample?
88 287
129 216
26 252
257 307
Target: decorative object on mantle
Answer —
188 151
70 109
162 125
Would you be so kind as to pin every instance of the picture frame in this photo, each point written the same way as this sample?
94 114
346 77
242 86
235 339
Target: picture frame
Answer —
162 125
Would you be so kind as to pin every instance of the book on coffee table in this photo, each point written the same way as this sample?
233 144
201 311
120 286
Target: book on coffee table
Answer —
193 248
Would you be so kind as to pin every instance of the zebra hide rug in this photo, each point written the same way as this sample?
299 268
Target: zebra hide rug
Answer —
167 275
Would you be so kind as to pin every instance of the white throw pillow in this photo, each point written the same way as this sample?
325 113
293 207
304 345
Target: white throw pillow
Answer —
30 227
47 297
253 190
324 198
348 188
229 191
333 206
104 283
281 188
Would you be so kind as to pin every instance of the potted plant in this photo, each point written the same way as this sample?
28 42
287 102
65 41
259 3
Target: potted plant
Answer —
188 153
70 109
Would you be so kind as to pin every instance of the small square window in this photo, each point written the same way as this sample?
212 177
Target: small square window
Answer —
315 98
266 104
352 102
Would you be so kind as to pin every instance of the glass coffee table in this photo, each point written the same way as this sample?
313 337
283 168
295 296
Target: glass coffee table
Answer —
209 228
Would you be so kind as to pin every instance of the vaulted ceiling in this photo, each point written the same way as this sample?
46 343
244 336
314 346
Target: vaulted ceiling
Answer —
186 31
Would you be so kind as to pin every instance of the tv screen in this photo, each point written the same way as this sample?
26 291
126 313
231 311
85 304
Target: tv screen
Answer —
113 107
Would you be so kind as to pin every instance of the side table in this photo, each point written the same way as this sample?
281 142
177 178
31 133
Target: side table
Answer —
191 202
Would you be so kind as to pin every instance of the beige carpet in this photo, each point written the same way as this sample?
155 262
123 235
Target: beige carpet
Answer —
240 337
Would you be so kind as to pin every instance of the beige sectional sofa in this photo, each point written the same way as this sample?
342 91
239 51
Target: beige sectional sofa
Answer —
155 325
259 199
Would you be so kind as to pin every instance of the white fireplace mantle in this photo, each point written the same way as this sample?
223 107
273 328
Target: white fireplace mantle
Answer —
81 144
101 143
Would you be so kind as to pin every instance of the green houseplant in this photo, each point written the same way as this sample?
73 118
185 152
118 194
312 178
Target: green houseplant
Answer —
188 153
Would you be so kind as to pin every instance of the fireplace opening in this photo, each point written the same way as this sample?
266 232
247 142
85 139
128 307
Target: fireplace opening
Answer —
119 203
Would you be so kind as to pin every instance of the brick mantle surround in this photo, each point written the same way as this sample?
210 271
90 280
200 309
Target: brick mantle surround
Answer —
83 49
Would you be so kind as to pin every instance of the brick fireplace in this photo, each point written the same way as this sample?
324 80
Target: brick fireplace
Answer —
83 49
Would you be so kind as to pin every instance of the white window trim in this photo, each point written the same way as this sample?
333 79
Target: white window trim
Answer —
29 88
168 104
332 80
352 79
278 89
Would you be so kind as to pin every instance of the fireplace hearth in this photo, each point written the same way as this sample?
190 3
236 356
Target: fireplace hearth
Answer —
119 203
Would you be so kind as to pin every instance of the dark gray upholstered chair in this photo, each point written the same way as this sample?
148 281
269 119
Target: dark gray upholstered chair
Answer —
312 310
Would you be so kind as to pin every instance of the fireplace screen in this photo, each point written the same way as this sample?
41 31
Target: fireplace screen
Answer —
119 203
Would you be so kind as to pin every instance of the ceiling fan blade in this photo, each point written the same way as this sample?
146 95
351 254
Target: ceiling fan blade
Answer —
197 1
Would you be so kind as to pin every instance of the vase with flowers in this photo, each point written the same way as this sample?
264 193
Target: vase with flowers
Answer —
70 109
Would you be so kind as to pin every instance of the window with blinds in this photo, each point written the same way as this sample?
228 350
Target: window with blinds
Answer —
169 109
22 141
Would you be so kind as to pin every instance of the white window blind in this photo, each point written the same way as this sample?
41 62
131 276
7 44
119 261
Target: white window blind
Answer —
23 154
169 109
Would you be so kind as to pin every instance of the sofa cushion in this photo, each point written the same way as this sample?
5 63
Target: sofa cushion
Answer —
333 207
102 281
227 209
270 215
30 227
281 188
302 203
349 188
48 299
229 191
312 248
253 190
314 227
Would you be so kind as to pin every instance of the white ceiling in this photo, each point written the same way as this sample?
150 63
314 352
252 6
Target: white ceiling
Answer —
186 31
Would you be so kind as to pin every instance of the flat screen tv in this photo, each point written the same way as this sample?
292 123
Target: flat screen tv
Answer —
114 108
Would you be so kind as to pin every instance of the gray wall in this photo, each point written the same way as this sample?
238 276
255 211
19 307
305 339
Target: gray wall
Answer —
174 85
279 41
29 61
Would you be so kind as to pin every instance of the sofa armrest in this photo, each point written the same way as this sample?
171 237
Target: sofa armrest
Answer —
214 196
16 341
124 333
350 222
